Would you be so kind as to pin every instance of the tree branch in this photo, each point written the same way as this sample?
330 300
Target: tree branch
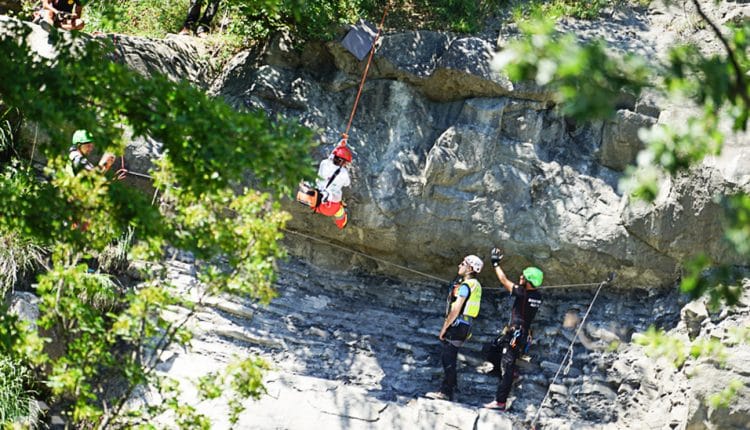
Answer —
739 76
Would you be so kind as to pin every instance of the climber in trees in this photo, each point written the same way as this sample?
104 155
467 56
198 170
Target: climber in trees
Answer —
65 14
464 299
515 335
326 197
80 150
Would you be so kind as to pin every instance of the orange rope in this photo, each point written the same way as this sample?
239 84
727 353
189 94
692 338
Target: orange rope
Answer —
345 135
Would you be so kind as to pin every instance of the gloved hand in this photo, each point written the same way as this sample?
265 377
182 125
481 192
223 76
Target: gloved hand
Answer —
495 256
324 196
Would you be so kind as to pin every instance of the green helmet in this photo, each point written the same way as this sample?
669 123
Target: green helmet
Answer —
82 136
533 275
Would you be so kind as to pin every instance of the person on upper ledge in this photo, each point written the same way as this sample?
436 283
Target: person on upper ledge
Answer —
204 23
64 14
327 196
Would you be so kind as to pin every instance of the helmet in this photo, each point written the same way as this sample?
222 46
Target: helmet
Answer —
533 275
474 262
82 136
342 151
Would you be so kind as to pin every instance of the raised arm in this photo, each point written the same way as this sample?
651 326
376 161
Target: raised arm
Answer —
496 255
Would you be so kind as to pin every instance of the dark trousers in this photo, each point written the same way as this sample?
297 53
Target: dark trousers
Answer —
195 10
507 368
449 357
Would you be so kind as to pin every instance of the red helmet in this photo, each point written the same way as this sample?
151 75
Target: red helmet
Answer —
343 152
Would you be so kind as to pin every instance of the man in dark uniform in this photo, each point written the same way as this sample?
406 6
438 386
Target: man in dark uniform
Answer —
526 304
204 23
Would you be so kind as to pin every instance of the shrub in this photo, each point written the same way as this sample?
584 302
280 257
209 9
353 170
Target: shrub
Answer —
16 257
15 397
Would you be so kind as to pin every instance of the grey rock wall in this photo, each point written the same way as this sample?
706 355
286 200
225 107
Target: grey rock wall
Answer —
450 159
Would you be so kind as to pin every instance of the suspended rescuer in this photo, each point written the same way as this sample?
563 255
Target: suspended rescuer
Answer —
515 335
326 197
464 299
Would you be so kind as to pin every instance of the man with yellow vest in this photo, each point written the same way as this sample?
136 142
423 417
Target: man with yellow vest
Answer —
464 299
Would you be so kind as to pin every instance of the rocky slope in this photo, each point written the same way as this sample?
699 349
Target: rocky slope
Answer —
352 351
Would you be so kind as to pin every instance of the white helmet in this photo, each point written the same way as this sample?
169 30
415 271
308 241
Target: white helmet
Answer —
474 262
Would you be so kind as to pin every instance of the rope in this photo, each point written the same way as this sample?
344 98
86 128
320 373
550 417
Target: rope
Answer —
33 147
427 275
345 134
569 353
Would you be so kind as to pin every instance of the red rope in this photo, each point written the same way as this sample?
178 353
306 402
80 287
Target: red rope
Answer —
345 134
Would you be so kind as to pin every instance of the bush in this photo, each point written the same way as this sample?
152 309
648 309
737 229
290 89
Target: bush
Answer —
16 257
15 397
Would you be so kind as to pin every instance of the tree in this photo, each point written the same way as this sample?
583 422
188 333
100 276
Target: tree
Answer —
208 210
587 82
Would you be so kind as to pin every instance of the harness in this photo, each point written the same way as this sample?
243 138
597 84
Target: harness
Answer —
330 180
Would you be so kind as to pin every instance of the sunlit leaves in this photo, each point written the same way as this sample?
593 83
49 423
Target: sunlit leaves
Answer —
659 344
209 149
241 380
724 398
737 228
720 283
586 79
674 150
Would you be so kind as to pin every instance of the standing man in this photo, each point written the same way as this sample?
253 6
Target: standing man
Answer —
527 303
464 299
204 23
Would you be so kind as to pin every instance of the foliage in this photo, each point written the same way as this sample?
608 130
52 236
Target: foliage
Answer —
462 16
715 83
148 18
114 258
17 255
238 22
585 79
587 82
106 336
8 128
658 343
242 378
583 9
723 399
15 396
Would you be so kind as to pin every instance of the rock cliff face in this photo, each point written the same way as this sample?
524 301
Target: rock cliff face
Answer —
451 158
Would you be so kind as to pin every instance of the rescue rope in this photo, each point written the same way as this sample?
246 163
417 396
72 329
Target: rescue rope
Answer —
345 134
427 275
362 254
569 353
408 269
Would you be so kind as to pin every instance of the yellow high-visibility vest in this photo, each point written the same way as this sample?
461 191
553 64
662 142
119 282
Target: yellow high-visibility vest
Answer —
471 306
